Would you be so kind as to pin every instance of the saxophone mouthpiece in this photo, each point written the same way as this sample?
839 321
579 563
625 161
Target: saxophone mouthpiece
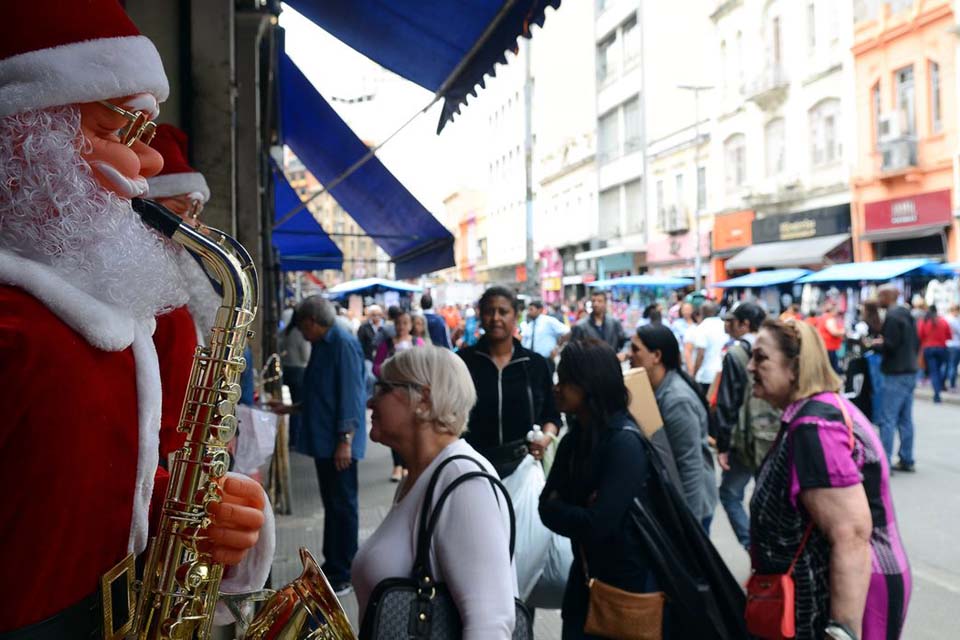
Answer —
157 216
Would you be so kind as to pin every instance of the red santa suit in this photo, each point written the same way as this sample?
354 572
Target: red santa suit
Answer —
79 440
176 341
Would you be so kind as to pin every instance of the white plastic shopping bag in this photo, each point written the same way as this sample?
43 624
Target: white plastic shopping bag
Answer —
533 539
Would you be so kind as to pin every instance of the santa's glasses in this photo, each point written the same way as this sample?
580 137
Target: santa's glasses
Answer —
140 128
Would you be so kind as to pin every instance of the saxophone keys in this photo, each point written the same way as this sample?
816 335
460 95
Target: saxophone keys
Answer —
227 427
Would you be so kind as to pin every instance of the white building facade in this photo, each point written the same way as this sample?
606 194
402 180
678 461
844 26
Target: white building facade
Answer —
782 138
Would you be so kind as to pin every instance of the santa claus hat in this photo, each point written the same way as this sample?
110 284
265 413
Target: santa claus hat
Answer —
59 52
177 177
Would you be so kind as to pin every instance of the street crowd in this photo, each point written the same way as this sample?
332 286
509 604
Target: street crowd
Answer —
536 397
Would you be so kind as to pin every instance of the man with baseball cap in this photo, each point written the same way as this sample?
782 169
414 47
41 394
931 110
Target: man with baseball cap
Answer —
746 426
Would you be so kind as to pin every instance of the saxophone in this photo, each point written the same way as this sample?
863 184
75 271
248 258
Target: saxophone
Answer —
180 585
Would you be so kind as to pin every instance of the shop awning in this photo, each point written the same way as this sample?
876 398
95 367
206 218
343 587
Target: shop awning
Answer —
415 241
302 243
762 279
879 271
643 281
904 233
370 286
446 47
788 253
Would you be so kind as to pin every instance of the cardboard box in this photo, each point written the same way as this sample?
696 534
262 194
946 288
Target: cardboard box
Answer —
643 404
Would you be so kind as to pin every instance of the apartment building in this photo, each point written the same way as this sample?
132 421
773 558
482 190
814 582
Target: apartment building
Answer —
564 170
622 222
783 134
906 88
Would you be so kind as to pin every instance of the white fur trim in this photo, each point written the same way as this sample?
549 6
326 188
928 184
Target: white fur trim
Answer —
104 326
251 574
178 184
149 401
81 72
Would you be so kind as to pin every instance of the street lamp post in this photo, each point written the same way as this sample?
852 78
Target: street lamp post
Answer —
697 258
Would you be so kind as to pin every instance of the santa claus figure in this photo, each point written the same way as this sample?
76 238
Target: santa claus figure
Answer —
81 281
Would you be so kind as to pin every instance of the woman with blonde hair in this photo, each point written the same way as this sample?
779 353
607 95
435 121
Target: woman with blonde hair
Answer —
822 499
420 408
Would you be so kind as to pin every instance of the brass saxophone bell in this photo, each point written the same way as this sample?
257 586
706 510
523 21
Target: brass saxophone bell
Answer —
305 609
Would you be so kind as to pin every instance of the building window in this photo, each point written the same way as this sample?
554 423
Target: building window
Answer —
631 43
775 145
877 111
636 217
936 117
609 136
735 156
608 63
824 127
738 72
701 188
811 28
678 189
659 197
776 51
632 134
724 62
610 213
903 79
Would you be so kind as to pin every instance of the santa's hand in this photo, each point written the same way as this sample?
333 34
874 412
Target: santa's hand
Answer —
237 519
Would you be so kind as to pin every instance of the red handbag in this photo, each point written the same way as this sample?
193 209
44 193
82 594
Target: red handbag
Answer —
771 612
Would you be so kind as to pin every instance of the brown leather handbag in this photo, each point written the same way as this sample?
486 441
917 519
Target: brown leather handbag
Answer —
622 615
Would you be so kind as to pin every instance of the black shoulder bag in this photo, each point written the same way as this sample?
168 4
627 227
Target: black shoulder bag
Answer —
418 608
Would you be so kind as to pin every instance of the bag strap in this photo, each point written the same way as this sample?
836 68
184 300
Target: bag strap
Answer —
852 442
428 517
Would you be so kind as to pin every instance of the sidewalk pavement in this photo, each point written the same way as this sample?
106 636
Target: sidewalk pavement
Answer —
305 528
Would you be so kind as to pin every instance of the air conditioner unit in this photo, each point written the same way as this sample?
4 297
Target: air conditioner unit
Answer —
888 128
899 155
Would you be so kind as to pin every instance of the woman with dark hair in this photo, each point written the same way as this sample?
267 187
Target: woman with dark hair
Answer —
599 469
934 333
684 411
294 356
514 388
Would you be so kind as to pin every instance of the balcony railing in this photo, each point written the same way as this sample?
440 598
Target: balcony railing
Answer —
673 219
769 87
898 154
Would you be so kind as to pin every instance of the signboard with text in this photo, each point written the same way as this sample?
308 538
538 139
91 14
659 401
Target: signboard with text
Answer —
733 230
828 221
920 210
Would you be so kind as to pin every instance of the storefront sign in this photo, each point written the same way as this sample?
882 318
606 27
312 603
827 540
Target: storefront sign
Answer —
733 230
828 221
552 284
923 209
669 249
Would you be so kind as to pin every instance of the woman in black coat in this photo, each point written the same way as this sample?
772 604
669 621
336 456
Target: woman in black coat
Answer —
514 388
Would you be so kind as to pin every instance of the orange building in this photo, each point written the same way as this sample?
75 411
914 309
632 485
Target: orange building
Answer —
906 97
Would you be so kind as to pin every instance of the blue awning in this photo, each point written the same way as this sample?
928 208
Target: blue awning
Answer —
415 241
643 281
370 286
762 279
879 271
446 47
302 243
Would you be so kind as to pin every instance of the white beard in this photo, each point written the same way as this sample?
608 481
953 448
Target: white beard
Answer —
53 211
204 301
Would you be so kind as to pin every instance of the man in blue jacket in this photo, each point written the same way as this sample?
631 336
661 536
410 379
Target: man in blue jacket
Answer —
436 327
334 430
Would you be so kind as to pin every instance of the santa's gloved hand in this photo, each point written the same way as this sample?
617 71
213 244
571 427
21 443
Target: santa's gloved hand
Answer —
237 519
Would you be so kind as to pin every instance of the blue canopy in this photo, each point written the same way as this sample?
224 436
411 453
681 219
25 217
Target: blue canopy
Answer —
372 196
879 271
643 281
302 243
947 269
446 47
762 279
370 286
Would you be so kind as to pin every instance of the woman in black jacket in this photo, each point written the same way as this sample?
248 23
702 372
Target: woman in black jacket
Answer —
514 388
601 466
